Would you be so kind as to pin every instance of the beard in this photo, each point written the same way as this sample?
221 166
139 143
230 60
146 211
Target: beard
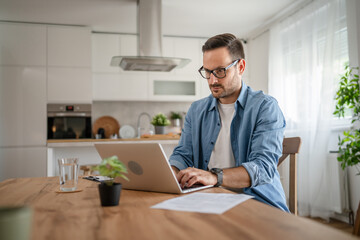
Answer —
220 91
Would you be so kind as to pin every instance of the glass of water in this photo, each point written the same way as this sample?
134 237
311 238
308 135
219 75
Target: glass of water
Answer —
69 171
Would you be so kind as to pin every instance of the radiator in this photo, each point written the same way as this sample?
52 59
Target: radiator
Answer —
338 185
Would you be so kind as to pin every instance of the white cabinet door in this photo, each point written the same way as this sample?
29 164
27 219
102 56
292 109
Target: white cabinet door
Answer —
69 85
22 162
22 106
174 88
22 44
104 47
116 87
188 48
128 45
204 86
112 83
69 46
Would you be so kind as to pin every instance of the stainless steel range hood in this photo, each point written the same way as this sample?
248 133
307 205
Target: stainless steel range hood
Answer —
150 43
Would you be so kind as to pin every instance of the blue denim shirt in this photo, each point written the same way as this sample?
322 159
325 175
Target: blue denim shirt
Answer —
256 140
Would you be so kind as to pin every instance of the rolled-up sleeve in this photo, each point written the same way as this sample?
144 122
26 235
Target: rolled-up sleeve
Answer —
266 143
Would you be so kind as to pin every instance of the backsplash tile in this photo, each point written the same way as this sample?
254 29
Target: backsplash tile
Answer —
127 113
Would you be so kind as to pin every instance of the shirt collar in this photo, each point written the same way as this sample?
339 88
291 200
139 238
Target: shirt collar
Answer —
241 99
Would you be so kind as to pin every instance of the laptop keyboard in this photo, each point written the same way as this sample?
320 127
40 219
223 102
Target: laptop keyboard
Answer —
193 186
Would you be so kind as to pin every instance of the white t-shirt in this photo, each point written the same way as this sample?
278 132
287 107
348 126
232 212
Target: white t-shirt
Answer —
222 155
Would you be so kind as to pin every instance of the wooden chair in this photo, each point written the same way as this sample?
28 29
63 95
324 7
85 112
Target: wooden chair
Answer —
87 169
356 231
291 146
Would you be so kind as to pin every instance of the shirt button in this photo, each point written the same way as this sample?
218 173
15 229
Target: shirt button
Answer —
212 143
206 161
218 124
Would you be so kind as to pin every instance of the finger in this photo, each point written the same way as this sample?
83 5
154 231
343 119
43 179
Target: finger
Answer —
184 179
193 180
203 178
186 175
180 174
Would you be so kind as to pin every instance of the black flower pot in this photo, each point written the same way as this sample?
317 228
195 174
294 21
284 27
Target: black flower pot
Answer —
109 194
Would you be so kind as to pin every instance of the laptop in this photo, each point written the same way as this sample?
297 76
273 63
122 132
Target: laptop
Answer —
148 167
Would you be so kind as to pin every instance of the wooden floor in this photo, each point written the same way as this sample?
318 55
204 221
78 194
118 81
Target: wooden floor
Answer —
335 224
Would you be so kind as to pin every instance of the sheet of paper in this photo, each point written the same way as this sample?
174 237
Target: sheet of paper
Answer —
216 203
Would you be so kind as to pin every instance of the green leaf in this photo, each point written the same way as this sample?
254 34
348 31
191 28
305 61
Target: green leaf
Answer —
160 120
112 167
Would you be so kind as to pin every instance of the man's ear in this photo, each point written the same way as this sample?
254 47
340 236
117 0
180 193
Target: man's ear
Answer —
241 66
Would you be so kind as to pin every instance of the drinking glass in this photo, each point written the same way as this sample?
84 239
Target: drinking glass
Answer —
69 171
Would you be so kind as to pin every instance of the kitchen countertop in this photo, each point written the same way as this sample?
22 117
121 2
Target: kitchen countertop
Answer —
165 139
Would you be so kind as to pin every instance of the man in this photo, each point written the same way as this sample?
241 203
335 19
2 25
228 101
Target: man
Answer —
233 138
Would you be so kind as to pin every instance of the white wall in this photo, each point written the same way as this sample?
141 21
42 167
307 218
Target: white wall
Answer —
258 61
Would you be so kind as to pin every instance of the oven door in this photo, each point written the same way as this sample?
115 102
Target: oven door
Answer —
69 127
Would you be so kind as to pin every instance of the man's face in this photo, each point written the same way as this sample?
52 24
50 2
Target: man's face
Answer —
225 89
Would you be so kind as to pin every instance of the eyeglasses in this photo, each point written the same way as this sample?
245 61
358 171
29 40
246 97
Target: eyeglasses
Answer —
219 72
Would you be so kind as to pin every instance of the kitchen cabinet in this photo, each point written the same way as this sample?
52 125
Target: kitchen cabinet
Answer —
23 80
22 106
69 85
203 83
114 84
128 45
69 64
183 84
117 87
22 44
20 162
176 88
104 47
188 48
68 46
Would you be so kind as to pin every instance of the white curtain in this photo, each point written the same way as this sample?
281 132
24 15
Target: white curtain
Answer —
307 53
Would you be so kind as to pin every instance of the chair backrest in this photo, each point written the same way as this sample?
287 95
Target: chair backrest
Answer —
291 147
357 222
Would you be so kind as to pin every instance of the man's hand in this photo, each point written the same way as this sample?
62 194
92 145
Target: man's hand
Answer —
175 170
191 176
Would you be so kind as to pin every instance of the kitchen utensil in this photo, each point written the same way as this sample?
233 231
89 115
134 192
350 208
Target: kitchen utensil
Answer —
108 123
101 132
127 131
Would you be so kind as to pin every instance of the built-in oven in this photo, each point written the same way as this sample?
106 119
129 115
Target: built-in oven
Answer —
69 121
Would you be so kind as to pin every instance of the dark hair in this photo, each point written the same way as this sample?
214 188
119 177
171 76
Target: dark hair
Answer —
228 40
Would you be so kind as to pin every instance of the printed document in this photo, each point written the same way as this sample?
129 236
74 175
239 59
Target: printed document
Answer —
216 203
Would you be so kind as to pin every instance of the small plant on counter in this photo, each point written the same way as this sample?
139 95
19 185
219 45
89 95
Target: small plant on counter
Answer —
160 120
175 115
112 167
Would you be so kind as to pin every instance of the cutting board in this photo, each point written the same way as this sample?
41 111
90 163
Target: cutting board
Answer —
161 136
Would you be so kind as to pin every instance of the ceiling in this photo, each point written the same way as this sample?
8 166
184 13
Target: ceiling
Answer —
200 18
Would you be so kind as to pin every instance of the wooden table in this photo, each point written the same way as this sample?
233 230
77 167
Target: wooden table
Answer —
80 216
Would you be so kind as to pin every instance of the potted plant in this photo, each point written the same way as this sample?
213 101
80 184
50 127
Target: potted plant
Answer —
160 121
347 98
109 190
175 116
